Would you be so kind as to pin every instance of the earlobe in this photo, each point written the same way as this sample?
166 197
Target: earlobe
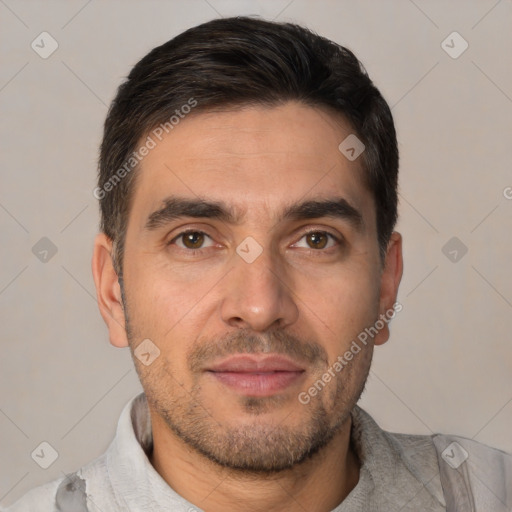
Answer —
390 281
108 290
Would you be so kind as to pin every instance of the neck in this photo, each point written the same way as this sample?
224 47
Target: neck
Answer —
318 484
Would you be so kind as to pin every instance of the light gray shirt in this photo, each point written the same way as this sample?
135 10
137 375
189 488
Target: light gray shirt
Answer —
399 472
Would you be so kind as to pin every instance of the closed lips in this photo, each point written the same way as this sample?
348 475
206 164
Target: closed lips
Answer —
246 364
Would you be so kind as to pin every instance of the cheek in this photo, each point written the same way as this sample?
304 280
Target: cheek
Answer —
342 305
347 294
160 297
169 311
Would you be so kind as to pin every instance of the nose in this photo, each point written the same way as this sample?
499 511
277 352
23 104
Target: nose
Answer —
258 295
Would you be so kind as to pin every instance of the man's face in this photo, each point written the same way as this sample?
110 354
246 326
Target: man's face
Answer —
249 314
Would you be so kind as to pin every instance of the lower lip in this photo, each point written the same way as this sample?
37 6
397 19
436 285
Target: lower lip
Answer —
258 384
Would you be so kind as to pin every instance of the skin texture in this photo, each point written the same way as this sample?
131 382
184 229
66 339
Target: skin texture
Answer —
305 297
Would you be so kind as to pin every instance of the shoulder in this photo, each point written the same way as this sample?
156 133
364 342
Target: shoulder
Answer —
91 485
473 475
453 451
468 450
460 473
70 492
38 499
404 466
485 471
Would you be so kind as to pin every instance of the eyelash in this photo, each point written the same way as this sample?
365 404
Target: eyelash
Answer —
317 252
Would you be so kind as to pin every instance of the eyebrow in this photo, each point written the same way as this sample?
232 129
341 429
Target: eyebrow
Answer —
176 207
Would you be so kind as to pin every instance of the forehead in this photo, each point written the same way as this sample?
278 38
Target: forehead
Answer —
256 159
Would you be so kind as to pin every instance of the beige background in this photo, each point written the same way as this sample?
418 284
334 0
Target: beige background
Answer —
448 366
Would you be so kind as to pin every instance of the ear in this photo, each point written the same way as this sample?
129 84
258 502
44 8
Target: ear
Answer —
108 290
390 280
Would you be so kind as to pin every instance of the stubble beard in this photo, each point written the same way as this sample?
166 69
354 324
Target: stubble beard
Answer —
262 447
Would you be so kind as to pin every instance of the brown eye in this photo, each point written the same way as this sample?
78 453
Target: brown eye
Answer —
193 239
317 240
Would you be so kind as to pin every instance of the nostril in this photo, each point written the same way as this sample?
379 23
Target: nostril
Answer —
239 322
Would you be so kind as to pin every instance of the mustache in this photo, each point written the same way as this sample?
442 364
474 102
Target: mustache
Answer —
244 341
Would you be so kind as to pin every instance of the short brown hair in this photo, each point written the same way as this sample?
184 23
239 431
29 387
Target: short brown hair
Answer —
244 61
